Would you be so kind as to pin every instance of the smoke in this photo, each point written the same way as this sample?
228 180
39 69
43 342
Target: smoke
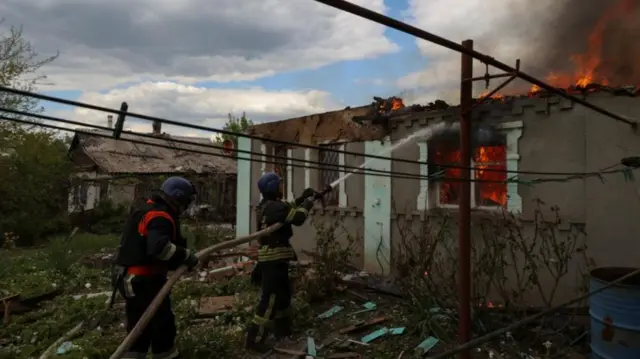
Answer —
546 35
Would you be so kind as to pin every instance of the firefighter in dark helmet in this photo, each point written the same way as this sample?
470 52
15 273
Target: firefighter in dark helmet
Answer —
274 254
151 245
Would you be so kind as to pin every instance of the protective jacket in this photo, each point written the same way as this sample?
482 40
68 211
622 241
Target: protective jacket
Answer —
276 246
152 242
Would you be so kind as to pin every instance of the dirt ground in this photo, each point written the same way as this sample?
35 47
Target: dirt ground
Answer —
66 282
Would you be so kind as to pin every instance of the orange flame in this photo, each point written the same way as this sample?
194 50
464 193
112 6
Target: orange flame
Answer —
396 103
587 64
496 96
391 104
490 192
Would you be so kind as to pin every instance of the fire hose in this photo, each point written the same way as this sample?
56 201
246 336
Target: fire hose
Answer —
171 281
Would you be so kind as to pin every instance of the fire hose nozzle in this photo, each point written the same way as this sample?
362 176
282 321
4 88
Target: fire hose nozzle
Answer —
319 196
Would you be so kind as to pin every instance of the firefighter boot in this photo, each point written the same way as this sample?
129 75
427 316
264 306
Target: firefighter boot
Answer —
255 344
282 327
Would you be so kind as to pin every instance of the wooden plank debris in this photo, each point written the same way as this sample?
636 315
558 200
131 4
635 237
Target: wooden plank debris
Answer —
216 305
363 325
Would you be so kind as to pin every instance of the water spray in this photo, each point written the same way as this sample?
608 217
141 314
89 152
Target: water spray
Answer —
423 134
482 135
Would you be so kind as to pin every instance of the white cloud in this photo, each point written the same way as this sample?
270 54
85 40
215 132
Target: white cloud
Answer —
504 29
106 43
198 105
370 81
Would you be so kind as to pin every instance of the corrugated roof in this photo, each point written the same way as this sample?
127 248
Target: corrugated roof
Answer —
122 156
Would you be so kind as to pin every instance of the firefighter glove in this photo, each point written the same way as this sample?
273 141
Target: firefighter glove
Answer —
309 192
191 261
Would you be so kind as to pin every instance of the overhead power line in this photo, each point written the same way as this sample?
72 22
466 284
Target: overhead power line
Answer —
182 124
318 164
429 163
626 172
372 172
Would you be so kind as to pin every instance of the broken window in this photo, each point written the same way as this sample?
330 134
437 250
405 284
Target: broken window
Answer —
207 191
489 188
104 190
329 171
80 195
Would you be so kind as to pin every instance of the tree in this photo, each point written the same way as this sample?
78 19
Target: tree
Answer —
237 125
34 170
19 67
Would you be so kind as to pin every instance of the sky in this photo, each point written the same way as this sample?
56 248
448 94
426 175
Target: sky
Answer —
196 61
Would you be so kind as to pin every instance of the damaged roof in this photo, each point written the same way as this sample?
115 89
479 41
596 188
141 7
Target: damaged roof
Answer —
122 156
323 127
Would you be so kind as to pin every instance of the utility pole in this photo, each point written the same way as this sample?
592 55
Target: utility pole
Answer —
464 231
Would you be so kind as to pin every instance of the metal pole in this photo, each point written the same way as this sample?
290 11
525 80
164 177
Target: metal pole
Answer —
464 231
412 30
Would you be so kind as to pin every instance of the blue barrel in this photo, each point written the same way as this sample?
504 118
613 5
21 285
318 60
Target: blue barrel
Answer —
615 314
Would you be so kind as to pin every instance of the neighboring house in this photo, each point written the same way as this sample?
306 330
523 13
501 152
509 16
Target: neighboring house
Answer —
123 171
538 134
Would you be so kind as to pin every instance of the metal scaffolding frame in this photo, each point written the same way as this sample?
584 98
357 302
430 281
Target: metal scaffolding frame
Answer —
466 105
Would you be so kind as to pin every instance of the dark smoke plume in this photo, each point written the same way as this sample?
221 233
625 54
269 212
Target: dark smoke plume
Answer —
568 31
546 35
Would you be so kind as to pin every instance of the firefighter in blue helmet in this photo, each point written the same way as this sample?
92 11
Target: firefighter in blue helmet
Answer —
151 245
274 254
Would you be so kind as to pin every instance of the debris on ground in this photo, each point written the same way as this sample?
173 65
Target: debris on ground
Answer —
15 304
216 305
339 313
427 345
331 312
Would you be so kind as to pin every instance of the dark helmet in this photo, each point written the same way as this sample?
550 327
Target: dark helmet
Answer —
269 183
179 189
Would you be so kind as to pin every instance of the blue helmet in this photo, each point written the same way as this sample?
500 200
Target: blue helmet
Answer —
179 189
269 183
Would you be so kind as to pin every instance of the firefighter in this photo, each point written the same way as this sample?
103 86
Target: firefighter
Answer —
274 254
151 245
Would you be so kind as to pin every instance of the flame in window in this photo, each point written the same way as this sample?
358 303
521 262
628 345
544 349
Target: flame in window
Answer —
487 194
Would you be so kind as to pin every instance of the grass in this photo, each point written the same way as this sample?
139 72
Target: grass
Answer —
58 265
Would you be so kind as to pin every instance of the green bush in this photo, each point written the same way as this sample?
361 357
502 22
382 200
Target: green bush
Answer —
33 184
108 217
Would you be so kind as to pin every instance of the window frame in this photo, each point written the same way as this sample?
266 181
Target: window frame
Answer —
474 205
281 166
333 199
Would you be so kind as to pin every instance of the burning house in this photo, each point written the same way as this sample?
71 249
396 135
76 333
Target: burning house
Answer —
534 132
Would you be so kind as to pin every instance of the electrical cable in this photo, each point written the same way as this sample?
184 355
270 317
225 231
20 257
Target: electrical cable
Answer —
253 137
211 146
432 164
178 123
102 135
361 171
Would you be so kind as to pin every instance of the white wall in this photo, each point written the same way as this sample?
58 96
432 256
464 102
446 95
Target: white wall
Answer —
93 193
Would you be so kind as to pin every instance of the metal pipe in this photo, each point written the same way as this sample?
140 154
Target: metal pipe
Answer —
494 91
464 231
496 334
488 77
412 30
